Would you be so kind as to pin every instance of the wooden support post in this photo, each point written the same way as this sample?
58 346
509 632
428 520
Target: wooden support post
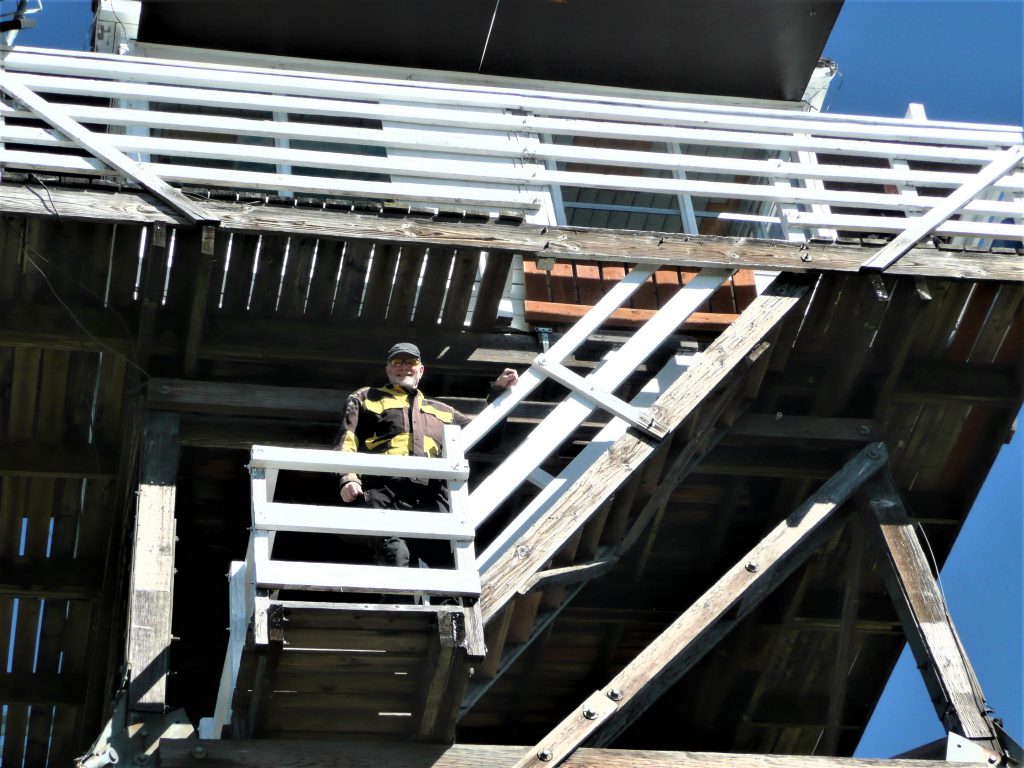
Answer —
269 636
457 645
152 290
200 296
948 675
710 618
845 642
151 601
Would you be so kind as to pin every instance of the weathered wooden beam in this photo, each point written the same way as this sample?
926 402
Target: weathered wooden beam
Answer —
560 242
845 642
52 579
783 426
606 713
948 675
457 644
50 326
270 753
152 287
150 597
58 461
39 689
200 295
269 643
931 381
531 551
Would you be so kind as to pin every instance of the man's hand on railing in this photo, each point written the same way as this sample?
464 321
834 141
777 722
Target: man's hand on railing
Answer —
508 378
351 491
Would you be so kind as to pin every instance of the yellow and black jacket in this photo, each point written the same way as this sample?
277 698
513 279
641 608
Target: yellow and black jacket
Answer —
396 421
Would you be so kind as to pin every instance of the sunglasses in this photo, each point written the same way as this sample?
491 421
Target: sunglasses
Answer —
397 362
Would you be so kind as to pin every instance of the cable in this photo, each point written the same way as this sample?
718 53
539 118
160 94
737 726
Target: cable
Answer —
487 40
53 205
79 323
80 285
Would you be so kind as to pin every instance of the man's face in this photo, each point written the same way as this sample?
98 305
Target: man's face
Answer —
405 371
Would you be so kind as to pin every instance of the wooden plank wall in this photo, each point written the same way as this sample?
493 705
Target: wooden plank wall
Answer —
60 431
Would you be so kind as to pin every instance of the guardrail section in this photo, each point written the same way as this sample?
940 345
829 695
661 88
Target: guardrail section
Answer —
557 157
269 517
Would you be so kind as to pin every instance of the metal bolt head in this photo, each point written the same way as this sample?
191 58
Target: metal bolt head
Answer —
751 567
589 713
141 759
544 755
522 550
615 694
864 429
874 452
199 752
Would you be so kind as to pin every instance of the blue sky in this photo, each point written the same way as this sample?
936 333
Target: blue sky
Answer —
963 60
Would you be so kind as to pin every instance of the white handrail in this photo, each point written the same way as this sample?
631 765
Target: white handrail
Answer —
499 149
270 517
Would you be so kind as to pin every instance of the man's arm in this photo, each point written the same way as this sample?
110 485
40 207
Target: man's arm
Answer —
346 440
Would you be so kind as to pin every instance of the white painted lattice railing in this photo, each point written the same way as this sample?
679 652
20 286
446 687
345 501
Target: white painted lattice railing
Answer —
492 148
270 517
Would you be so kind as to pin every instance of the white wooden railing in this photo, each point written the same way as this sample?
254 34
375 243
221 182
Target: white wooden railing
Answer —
499 148
270 517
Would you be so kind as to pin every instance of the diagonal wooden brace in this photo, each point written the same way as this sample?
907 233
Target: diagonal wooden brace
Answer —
923 225
99 147
948 675
710 618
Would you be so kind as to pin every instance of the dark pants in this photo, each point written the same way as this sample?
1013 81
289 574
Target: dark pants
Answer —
401 493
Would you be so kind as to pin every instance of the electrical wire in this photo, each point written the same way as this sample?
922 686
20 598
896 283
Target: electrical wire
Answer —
487 40
31 254
81 325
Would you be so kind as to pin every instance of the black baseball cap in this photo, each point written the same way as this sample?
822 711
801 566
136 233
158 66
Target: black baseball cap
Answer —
404 349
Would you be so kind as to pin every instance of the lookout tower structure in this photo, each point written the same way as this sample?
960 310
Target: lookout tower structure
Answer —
767 358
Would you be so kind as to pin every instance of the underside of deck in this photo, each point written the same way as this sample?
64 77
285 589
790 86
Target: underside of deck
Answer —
95 340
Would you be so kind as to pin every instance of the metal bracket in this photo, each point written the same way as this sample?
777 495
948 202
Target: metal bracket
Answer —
134 743
961 750
544 336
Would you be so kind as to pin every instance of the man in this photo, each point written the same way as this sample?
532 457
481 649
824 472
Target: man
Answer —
398 420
